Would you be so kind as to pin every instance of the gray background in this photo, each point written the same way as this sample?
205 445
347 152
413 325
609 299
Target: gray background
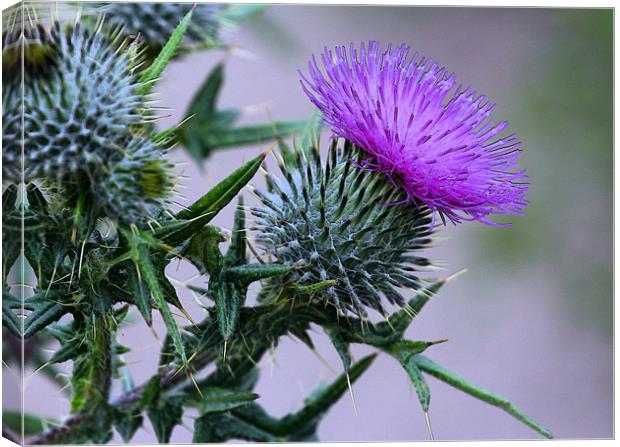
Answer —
532 317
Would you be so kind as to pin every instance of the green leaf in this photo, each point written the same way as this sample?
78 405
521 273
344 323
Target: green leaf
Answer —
43 315
341 346
203 250
400 321
433 369
210 129
32 424
255 134
218 197
203 105
211 428
228 301
219 400
237 252
9 319
141 256
68 350
152 73
150 277
421 387
128 422
140 293
164 415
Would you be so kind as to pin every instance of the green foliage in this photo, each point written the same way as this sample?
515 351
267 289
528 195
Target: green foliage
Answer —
32 424
75 273
151 74
433 369
208 128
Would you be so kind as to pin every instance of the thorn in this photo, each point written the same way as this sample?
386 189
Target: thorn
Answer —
40 368
191 376
351 392
455 275
428 426
179 370
191 357
225 349
323 361
436 342
154 333
189 318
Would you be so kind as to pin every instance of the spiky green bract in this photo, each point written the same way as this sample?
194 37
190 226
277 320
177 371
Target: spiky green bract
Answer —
136 185
338 222
154 21
76 121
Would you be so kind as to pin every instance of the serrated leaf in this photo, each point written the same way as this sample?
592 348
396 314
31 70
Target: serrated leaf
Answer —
68 350
341 346
141 257
218 400
421 387
127 423
9 319
203 104
152 73
42 316
222 427
140 293
203 249
256 134
150 277
400 321
439 372
223 192
228 300
164 416
237 251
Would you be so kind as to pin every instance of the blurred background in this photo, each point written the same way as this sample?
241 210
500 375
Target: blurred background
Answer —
531 319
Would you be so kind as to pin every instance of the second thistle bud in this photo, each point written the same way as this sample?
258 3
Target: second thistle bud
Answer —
339 222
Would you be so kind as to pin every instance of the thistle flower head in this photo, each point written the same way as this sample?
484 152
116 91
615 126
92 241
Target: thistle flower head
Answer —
154 22
76 121
331 222
435 142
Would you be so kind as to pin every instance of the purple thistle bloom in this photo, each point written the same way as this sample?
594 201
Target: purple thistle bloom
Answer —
442 149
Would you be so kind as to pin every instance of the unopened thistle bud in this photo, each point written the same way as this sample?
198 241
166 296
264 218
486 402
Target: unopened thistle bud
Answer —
76 121
338 222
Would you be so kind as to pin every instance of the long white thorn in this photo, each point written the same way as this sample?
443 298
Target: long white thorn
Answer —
429 426
351 393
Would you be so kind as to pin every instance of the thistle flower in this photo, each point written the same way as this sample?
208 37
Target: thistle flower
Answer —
332 224
442 149
155 21
76 121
